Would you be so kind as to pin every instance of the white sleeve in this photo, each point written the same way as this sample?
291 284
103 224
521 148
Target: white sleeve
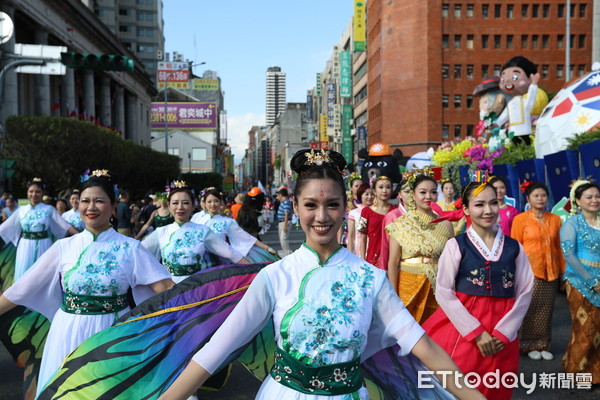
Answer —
10 230
152 244
58 226
531 97
240 240
145 270
221 248
245 321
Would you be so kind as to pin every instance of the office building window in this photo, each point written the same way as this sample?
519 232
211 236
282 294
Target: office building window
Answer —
149 17
445 129
470 39
140 16
581 43
457 10
545 68
457 101
535 10
534 41
524 10
560 41
123 11
497 69
445 101
457 129
457 40
126 28
545 41
445 41
546 11
484 70
581 70
509 41
457 71
470 130
469 101
198 154
470 71
572 44
561 11
524 39
497 10
572 10
560 70
582 8
510 11
174 151
485 10
497 41
485 41
445 71
470 10
445 10
571 71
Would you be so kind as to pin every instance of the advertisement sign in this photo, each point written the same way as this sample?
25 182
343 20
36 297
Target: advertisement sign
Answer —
324 145
314 145
359 25
330 104
347 150
318 84
193 116
323 128
177 74
309 106
204 84
362 137
345 74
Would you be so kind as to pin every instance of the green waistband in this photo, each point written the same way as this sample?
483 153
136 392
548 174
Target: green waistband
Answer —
184 270
326 380
35 235
93 305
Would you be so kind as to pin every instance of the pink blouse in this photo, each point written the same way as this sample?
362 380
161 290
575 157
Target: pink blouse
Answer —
385 238
466 324
505 218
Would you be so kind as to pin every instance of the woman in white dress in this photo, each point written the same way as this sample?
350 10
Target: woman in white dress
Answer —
328 307
30 228
80 284
185 247
72 216
228 229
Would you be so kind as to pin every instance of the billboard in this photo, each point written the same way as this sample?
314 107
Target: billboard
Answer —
205 84
177 74
192 116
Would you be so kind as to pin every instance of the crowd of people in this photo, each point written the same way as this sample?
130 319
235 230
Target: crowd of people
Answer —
463 281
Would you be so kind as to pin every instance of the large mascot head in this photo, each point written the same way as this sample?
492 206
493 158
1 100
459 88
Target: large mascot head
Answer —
515 77
379 161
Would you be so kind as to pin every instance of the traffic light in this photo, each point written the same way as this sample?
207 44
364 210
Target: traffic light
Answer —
101 62
7 167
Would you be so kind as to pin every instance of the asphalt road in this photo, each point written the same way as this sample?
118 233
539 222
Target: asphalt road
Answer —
243 386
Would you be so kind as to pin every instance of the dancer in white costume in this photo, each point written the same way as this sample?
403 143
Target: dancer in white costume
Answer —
72 216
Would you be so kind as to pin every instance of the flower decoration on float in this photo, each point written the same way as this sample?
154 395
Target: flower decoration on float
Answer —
317 158
574 186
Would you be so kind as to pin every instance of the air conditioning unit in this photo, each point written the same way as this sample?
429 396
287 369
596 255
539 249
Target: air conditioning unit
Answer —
159 55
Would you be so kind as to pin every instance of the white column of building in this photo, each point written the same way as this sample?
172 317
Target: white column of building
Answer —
10 98
42 82
89 96
105 106
596 32
120 110
67 92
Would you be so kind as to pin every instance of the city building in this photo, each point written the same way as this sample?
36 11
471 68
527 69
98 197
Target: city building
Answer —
426 57
116 99
139 26
275 94
287 136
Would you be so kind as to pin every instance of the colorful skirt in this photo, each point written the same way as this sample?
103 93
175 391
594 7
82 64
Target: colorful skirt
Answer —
258 255
536 330
489 311
417 295
583 350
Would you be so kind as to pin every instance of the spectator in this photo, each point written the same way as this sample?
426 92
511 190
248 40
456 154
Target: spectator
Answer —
124 215
235 208
11 206
284 217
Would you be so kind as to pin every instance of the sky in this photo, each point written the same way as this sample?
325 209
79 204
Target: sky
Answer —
240 39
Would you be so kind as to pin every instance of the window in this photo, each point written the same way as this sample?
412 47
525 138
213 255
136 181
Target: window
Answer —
485 41
560 39
150 49
445 41
140 48
545 68
361 119
534 41
546 11
524 10
561 11
560 70
510 11
581 43
535 10
582 8
497 10
149 17
444 101
485 10
572 14
497 41
457 101
470 10
358 97
150 65
470 39
524 39
445 129
125 28
457 10
581 70
123 11
457 71
484 70
497 69
141 32
470 130
174 151
198 153
469 101
360 71
509 41
149 32
445 71
457 39
572 44
470 71
445 10
457 131
545 41
571 71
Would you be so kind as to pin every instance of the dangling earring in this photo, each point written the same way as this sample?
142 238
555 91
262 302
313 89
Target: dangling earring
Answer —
375 201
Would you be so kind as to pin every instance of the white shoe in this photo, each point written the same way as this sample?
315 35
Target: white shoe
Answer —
546 355
535 355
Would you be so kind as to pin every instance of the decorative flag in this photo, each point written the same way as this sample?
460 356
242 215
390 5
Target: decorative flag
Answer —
55 106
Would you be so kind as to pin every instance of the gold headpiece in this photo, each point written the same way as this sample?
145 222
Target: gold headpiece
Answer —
179 184
317 158
414 173
354 175
98 173
36 180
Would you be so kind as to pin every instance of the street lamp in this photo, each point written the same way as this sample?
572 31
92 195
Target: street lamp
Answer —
166 100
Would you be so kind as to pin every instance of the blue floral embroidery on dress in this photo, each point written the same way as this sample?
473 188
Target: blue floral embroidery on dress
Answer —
184 245
34 220
220 226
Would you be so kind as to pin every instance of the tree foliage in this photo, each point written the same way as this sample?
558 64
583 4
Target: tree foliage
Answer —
59 150
204 180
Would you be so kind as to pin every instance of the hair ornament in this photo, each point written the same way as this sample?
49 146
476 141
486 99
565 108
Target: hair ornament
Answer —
176 185
319 158
209 189
354 175
525 185
480 176
37 180
574 186
445 180
100 173
412 175
161 196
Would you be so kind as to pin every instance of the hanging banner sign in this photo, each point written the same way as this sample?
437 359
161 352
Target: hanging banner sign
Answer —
345 74
323 128
347 150
205 84
359 25
176 73
319 85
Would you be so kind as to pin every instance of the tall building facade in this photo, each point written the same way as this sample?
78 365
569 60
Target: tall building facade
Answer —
436 52
275 94
138 24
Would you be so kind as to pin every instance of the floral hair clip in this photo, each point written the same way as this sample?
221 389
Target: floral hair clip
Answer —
176 185
100 173
318 158
354 175
525 185
480 176
36 179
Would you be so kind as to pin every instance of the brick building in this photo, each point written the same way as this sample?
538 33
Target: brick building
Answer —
426 57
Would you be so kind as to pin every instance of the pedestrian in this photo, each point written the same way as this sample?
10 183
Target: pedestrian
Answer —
284 218
185 247
539 232
365 195
73 216
80 284
159 217
447 204
250 212
507 212
125 215
323 301
580 242
484 287
416 243
30 227
11 206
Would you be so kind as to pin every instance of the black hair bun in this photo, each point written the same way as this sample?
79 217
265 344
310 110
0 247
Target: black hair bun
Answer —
306 159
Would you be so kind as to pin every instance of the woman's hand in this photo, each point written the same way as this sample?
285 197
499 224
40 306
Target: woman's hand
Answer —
486 345
498 345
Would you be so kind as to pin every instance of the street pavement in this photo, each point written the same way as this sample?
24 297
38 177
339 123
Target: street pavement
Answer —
243 386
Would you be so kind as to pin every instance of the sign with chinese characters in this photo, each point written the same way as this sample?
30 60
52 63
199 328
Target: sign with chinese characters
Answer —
319 84
205 84
309 106
192 116
345 74
176 74
347 150
323 128
359 25
331 95
362 137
